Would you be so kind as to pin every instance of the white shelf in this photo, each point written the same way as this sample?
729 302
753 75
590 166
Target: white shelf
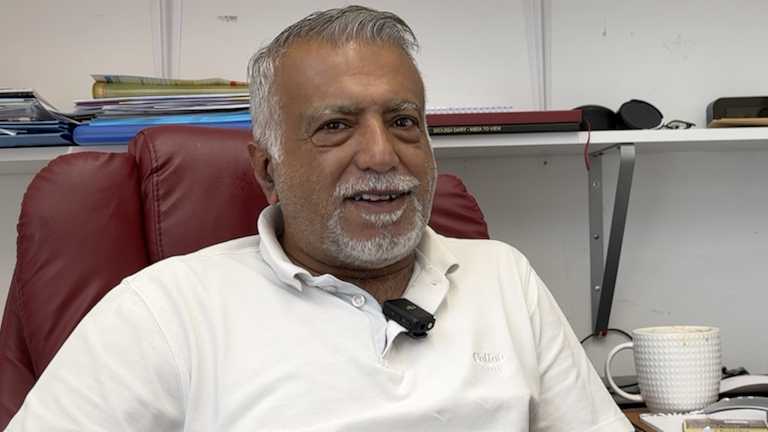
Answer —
496 145
32 159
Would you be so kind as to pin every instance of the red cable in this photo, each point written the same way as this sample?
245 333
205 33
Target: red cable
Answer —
586 146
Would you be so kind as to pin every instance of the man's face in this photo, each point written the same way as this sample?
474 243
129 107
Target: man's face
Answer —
357 175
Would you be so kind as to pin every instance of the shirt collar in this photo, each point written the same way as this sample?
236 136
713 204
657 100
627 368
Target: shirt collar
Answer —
270 225
432 255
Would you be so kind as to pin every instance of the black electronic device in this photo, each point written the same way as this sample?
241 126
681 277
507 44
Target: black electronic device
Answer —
597 117
638 114
415 319
633 114
737 107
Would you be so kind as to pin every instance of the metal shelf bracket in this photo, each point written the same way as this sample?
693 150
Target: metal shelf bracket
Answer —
603 277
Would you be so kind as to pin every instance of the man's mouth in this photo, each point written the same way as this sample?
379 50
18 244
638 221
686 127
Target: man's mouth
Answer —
375 197
377 191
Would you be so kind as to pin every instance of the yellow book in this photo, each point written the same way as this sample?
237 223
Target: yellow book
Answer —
724 425
137 79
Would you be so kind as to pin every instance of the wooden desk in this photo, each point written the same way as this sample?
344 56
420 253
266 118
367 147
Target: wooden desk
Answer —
633 414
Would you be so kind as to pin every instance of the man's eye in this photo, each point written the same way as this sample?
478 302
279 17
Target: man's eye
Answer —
334 125
332 133
404 122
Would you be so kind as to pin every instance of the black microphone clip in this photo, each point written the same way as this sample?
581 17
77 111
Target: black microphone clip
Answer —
415 319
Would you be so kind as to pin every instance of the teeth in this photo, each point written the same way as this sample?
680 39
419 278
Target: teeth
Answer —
372 197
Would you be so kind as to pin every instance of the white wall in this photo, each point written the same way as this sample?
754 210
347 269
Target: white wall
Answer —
54 46
678 55
695 247
472 58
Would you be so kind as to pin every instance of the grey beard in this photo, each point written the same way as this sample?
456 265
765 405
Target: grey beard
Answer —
385 248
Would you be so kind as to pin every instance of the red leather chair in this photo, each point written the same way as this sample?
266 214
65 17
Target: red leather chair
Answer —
90 219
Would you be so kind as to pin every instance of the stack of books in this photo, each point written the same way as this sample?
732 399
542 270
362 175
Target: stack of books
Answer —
147 101
26 119
118 120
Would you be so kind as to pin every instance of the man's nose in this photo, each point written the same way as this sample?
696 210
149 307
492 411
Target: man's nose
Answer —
376 147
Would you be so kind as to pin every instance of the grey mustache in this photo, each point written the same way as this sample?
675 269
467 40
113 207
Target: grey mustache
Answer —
399 183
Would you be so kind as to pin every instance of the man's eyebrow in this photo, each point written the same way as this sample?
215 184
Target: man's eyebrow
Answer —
402 106
329 110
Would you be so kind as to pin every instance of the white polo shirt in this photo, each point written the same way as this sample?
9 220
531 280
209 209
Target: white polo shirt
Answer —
237 338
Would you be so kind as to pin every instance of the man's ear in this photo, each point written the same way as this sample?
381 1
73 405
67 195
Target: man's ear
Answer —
262 170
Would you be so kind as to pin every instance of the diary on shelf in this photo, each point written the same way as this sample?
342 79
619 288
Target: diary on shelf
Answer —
456 122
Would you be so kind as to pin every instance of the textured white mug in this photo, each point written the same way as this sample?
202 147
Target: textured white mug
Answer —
678 367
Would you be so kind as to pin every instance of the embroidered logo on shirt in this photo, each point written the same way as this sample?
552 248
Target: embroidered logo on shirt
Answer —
489 362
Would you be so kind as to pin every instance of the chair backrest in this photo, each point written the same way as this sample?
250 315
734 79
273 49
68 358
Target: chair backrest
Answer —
90 219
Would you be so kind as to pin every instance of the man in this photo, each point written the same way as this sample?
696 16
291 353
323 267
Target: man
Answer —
285 331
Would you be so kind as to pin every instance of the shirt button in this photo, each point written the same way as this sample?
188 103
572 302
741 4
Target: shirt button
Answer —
358 300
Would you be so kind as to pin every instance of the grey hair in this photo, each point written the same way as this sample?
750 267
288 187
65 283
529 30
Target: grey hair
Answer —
336 27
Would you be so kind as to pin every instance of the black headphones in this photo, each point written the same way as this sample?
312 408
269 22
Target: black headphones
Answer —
633 114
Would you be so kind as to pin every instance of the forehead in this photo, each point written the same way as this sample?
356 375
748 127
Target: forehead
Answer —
310 70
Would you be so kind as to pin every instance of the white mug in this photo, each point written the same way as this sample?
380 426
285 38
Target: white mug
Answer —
678 367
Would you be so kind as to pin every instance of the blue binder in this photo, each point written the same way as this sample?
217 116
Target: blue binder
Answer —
90 135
